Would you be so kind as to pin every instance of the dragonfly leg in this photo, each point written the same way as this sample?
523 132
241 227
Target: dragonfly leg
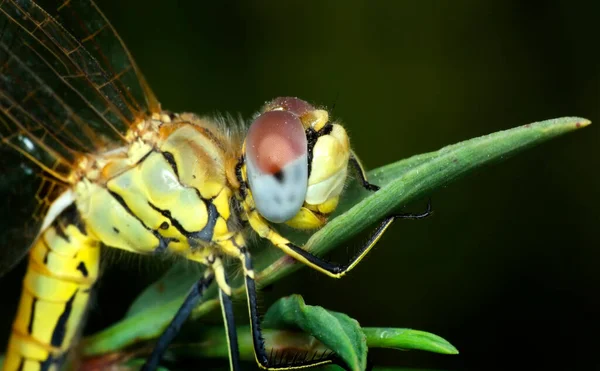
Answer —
260 353
230 331
362 174
331 269
182 314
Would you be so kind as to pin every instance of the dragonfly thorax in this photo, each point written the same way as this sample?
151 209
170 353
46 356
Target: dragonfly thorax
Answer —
166 190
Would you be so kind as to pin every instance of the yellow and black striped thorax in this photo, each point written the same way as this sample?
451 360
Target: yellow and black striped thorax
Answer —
168 190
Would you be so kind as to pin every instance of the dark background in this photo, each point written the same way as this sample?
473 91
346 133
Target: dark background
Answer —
507 269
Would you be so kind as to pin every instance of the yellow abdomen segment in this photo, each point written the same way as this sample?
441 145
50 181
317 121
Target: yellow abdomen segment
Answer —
63 266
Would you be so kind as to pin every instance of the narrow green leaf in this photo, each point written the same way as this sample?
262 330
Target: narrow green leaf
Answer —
402 182
418 176
402 338
336 331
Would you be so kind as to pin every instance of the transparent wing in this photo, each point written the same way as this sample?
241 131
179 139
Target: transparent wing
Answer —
26 195
68 86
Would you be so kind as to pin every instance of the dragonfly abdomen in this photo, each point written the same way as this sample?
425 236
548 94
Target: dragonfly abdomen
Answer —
63 267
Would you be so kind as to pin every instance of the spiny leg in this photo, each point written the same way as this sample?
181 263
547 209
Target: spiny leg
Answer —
331 269
260 352
182 314
362 174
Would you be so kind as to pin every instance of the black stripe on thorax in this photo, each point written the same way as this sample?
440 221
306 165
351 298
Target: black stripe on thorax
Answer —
144 157
163 242
171 161
168 156
124 205
205 234
240 178
311 137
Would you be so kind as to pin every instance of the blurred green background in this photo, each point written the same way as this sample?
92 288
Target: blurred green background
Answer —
507 269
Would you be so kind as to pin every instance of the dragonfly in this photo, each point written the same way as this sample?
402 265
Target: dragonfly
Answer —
97 163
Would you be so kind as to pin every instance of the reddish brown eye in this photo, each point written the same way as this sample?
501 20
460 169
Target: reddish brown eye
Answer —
277 164
291 104
275 139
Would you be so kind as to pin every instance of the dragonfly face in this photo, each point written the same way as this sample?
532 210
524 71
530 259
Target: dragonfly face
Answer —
296 163
112 168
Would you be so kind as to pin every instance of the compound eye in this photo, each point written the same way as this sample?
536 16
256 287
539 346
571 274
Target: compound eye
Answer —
277 164
292 104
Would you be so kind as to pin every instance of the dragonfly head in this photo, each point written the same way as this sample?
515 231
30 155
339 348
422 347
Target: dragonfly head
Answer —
296 163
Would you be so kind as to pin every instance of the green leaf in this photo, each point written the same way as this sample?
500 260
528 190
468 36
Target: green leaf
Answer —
321 330
402 338
173 285
336 331
417 177
401 183
150 313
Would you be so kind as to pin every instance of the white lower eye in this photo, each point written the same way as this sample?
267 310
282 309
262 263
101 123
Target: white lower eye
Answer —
279 197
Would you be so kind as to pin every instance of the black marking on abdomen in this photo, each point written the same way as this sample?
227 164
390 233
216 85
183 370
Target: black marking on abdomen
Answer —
58 335
60 232
42 240
52 361
71 216
31 316
46 364
83 269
